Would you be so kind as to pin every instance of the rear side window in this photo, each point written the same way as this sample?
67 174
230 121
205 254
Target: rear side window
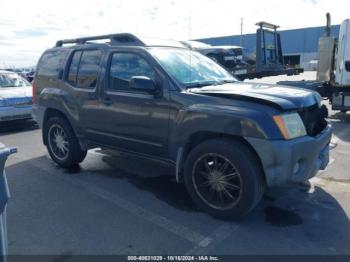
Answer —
51 62
83 69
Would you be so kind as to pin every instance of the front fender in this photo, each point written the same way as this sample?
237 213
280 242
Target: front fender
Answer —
220 119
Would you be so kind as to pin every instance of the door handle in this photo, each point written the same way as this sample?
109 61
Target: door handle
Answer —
107 101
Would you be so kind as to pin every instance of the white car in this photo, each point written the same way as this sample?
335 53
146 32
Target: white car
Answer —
15 97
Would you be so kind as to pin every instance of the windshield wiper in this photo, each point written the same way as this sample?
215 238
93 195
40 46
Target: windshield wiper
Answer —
226 81
210 83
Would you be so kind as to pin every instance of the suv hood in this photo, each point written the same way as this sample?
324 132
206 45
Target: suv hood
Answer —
280 97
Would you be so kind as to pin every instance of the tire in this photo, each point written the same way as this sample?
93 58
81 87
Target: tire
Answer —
72 153
343 111
239 167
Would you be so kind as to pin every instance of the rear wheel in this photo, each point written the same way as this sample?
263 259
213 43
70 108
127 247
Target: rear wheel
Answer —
344 111
62 144
224 178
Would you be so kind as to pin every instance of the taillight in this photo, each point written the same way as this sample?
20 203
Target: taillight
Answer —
34 97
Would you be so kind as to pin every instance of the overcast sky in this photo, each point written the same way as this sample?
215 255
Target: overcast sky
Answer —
28 27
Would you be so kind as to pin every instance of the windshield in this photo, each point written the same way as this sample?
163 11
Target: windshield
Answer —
190 68
12 80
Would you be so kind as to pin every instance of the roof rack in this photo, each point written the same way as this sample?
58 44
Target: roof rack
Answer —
115 39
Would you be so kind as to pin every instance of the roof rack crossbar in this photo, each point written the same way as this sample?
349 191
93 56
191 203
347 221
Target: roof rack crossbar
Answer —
115 39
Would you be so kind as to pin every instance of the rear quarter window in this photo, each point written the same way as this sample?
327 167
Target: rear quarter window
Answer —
51 62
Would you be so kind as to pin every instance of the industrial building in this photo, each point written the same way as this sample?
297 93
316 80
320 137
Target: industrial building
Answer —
299 45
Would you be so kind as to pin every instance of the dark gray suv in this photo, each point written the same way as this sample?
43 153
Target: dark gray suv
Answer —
227 139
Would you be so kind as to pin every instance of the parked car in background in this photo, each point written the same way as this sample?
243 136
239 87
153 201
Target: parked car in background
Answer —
30 76
15 97
231 57
228 56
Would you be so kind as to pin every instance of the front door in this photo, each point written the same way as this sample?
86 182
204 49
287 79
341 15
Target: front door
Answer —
128 119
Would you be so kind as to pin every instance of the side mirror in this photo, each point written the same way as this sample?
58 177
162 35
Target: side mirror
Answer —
143 83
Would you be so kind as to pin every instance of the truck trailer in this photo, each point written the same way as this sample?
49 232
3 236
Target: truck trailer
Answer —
333 74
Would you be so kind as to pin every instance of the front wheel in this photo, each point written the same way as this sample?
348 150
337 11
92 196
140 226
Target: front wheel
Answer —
62 144
224 178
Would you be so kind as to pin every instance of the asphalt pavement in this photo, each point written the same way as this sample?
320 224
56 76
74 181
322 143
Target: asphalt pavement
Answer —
113 204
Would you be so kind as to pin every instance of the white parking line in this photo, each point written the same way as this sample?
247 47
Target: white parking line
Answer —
219 235
156 219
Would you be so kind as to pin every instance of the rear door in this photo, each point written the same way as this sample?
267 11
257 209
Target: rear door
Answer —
127 119
81 82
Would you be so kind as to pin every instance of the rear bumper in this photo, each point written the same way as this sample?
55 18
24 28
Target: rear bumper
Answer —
295 160
38 114
15 113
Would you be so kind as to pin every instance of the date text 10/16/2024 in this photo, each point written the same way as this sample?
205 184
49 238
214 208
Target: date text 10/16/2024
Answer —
173 258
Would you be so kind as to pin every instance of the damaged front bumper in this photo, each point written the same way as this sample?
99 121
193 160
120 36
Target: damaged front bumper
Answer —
296 160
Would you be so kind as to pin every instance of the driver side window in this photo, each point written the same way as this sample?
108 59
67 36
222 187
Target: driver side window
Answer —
123 67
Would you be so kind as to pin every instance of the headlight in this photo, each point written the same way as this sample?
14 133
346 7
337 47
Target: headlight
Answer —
290 125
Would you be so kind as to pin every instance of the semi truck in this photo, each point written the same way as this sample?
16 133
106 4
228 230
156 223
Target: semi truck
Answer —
333 73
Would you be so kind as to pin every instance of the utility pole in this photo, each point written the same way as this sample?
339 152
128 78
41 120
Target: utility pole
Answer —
241 40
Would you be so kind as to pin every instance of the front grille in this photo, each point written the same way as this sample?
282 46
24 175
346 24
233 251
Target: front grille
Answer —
314 119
